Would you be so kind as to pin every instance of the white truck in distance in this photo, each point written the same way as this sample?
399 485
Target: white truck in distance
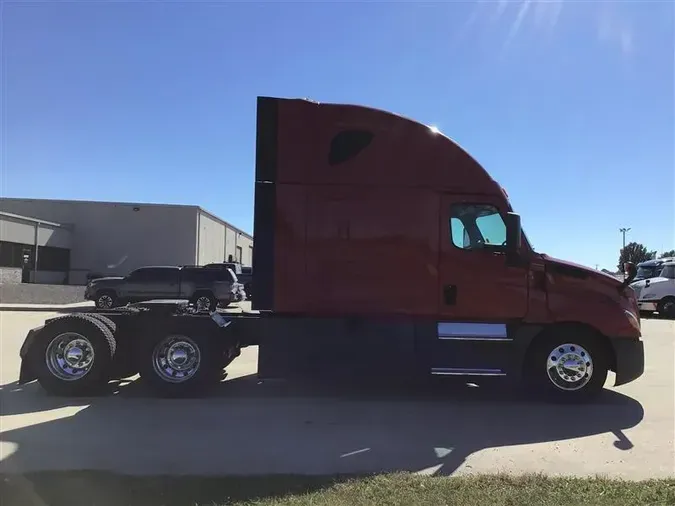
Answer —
658 294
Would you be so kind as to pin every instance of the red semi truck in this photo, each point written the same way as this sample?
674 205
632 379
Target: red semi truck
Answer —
382 248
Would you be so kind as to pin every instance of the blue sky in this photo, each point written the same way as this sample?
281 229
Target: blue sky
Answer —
569 105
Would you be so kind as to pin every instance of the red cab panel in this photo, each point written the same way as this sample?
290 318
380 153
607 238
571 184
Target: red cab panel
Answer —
394 151
350 216
476 280
580 294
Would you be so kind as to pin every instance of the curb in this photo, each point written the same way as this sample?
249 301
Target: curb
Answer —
45 308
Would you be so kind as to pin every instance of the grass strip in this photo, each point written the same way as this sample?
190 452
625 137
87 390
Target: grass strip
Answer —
404 489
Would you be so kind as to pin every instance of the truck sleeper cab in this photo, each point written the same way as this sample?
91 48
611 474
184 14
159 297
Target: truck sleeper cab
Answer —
382 250
649 269
344 194
657 294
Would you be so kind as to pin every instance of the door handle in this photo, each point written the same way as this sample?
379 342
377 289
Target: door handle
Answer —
450 295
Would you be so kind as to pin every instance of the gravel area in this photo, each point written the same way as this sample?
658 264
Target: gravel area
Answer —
40 294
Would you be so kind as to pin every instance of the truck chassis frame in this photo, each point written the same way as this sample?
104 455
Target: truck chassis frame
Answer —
302 347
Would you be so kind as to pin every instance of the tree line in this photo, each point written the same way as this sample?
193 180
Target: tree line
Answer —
636 253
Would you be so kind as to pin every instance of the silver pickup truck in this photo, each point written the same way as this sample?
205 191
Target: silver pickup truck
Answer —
205 288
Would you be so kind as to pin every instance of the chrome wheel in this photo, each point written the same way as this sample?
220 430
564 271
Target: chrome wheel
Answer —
105 302
176 359
203 303
69 356
569 367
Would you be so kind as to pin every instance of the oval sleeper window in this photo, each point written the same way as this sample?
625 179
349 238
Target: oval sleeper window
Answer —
347 144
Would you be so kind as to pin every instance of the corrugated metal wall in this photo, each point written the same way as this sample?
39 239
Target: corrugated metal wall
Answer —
211 240
23 231
217 241
111 238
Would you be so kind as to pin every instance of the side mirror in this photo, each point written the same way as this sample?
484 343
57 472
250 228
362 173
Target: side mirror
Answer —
514 234
630 271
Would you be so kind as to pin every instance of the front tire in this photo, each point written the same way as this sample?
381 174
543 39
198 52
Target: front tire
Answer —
567 364
666 308
177 365
72 355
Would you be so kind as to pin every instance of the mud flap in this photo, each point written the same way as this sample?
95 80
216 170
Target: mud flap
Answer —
630 360
25 373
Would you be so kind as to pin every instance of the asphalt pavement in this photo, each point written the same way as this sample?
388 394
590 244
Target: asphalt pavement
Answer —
253 428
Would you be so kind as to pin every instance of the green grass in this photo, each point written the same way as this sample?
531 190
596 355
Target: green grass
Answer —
106 489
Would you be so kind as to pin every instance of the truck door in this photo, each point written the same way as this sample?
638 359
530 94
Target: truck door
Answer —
136 285
149 283
165 284
476 283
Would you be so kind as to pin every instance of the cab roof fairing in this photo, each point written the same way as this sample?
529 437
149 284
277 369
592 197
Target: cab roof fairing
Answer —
316 123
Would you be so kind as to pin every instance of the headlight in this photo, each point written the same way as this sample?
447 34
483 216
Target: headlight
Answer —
634 320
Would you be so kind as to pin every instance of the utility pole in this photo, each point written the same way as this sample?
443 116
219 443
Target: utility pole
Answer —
623 232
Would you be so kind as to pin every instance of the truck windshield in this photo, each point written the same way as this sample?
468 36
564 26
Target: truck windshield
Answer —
668 271
646 272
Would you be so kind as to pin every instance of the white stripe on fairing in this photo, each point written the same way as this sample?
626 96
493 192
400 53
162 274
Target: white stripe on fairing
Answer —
458 371
477 331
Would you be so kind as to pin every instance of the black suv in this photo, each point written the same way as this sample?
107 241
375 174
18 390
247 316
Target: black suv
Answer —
204 288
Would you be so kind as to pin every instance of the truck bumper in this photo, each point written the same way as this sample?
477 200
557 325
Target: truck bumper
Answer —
647 306
630 360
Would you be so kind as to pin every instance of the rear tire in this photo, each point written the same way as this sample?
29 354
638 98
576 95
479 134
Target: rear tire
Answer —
105 321
105 299
72 355
666 307
177 365
567 364
204 301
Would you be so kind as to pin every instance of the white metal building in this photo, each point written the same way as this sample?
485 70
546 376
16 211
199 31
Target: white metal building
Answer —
113 238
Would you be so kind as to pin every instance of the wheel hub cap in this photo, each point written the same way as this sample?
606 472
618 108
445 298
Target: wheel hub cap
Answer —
176 359
74 355
569 367
105 301
69 356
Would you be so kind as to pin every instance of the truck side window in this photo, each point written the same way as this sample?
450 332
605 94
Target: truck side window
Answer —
458 230
347 144
477 226
138 275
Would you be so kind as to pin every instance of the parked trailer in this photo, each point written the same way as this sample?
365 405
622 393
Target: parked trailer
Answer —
344 197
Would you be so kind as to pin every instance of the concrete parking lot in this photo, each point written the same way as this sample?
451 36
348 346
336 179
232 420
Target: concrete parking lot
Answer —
252 428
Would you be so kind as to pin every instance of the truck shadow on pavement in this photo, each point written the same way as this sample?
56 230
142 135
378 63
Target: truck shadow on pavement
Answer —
253 428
